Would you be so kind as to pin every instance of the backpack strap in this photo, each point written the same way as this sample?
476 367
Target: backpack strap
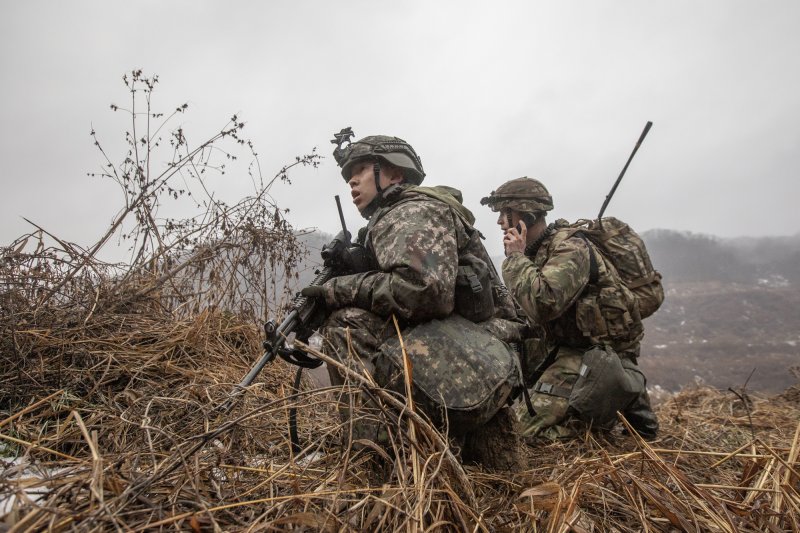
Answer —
594 270
544 365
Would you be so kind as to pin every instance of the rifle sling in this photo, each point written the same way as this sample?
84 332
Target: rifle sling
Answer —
537 374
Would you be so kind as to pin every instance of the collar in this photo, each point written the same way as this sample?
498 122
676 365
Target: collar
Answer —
532 248
385 198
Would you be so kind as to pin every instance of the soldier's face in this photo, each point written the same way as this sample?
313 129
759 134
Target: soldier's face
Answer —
362 182
507 219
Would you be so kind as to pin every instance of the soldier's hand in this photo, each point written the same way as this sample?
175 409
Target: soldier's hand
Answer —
515 238
332 252
314 291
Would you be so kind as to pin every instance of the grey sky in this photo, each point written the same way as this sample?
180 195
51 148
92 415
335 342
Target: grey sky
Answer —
485 91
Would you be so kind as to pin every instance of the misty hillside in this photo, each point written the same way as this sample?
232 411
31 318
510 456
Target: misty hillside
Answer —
688 257
731 311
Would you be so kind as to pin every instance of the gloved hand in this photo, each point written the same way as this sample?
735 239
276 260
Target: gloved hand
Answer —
314 291
332 252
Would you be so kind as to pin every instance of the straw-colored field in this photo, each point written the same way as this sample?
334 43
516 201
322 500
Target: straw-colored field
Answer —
112 418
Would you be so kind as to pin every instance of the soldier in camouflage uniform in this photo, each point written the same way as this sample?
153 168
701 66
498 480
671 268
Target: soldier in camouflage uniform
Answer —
414 239
563 283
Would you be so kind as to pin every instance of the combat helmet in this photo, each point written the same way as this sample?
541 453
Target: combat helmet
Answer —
393 150
525 195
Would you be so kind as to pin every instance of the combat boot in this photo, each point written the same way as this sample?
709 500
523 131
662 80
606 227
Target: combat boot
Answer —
496 445
641 417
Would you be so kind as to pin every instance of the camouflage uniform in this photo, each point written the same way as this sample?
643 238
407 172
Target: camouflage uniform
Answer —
551 282
415 238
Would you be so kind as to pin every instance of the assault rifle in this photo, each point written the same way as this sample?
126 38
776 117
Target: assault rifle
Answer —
306 315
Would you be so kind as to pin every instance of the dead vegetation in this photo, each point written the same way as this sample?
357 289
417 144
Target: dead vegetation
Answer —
110 378
103 416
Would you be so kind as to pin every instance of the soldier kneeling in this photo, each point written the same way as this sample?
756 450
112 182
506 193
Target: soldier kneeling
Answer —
589 318
427 267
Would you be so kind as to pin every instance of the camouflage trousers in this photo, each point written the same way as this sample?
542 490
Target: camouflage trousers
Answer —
555 419
352 336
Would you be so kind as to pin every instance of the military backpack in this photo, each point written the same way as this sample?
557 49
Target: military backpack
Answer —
626 250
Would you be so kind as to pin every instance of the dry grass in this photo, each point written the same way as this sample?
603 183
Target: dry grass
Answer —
104 412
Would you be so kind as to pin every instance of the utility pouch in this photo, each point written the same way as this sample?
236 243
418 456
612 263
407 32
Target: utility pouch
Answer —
606 384
461 373
473 297
603 314
357 259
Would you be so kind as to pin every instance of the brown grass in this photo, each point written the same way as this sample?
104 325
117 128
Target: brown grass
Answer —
103 412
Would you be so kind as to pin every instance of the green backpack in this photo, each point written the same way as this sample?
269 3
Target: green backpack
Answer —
625 249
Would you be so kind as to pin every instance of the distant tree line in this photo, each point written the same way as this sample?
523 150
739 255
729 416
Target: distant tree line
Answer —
685 256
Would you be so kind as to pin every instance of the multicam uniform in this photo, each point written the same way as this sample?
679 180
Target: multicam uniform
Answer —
554 283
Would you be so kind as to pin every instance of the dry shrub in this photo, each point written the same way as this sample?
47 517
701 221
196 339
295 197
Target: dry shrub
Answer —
116 425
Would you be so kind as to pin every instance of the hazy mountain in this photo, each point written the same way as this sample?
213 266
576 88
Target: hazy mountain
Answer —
684 257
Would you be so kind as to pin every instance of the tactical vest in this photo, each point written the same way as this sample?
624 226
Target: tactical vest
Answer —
479 292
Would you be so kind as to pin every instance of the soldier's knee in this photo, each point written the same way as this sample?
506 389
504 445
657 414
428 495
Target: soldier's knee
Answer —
350 317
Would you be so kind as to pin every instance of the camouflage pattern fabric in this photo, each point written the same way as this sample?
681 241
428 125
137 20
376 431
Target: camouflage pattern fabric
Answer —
415 247
556 417
626 249
416 243
353 336
553 289
457 366
525 195
394 150
416 240
551 419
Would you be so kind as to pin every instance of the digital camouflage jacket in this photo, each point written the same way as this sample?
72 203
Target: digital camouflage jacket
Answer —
415 237
553 288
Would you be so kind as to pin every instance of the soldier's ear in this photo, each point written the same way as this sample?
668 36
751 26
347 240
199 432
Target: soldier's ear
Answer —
395 175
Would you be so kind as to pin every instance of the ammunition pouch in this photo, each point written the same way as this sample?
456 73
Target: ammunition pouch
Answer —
604 314
473 296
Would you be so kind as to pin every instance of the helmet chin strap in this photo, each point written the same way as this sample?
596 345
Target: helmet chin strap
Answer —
373 205
376 171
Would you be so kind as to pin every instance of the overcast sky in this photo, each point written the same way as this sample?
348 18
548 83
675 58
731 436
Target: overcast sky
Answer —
484 91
